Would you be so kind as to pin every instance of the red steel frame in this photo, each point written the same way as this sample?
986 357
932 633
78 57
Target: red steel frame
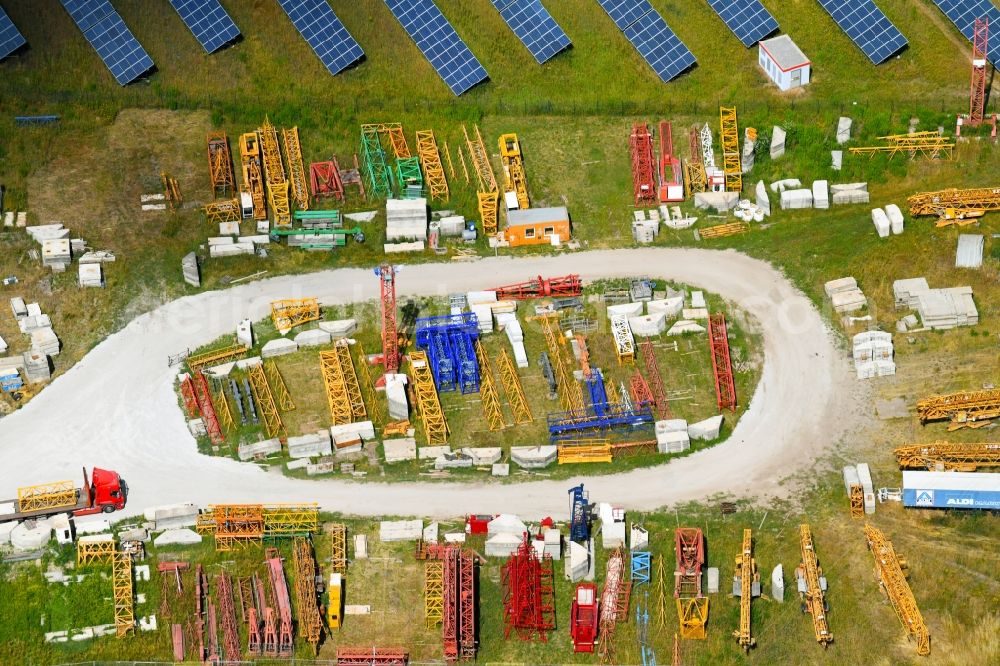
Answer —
584 619
449 626
390 335
641 395
980 47
207 409
254 643
655 379
280 587
230 631
722 366
689 547
213 634
558 287
641 148
325 181
467 602
695 144
190 401
372 656
668 162
614 604
529 604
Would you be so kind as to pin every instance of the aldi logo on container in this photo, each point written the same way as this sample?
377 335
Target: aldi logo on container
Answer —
925 498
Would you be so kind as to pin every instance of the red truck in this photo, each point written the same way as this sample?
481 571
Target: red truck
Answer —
103 491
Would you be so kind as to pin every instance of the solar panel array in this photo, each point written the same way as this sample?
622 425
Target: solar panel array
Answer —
11 38
963 13
748 19
651 37
439 43
107 33
324 32
534 26
867 27
208 22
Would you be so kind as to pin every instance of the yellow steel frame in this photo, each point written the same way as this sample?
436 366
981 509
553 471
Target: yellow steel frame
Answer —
171 190
447 157
696 180
857 497
46 496
289 313
310 621
430 162
283 520
338 547
253 180
465 169
934 203
966 409
357 403
488 391
121 581
220 164
929 144
396 137
224 413
277 382
214 356
227 210
205 522
584 453
570 393
433 593
237 525
435 425
814 592
489 204
296 169
720 230
746 568
513 389
692 616
612 393
489 192
513 168
336 387
368 388
730 139
949 456
273 425
95 552
889 570
274 172
624 341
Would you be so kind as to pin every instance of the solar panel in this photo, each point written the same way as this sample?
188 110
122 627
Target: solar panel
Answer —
11 38
651 37
963 13
867 27
110 37
748 19
439 43
324 32
208 22
534 26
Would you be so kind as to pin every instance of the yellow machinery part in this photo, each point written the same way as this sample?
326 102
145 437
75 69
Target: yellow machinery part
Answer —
570 393
891 577
721 230
746 571
433 593
584 453
289 313
338 546
355 400
310 622
813 595
336 387
488 391
277 382
435 425
46 496
94 552
216 356
730 140
513 389
121 580
857 501
296 169
266 407
430 163
943 456
368 388
692 616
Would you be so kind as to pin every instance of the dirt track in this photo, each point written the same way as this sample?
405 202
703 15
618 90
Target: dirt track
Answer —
117 408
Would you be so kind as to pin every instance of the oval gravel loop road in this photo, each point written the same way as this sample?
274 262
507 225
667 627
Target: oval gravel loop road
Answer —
117 407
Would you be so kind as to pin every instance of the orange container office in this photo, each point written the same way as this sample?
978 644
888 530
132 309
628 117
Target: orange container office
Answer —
538 226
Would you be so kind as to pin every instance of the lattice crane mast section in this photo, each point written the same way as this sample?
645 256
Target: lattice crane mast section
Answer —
978 200
931 145
435 426
980 49
430 162
390 333
296 168
747 582
253 179
489 193
377 174
513 169
220 165
274 173
277 383
814 593
655 379
335 384
965 409
310 620
528 593
643 178
289 313
207 408
570 393
273 425
890 571
614 604
121 581
433 594
949 456
488 391
722 366
358 412
624 341
692 605
513 389
565 286
730 139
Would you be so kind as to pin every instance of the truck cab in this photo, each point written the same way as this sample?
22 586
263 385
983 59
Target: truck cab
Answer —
108 492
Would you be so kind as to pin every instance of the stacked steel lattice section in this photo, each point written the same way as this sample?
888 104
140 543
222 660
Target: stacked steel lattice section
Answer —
338 547
570 393
692 605
430 162
449 623
435 426
722 366
655 379
266 407
643 179
959 201
220 212
528 593
390 335
467 605
277 383
949 456
274 171
965 409
513 389
980 50
280 589
433 594
237 525
747 578
121 581
296 168
488 391
489 192
449 341
513 169
343 393
614 604
889 570
325 180
730 139
222 410
813 594
95 552
670 173
310 621
230 630
694 168
377 173
220 165
624 342
207 409
253 179
372 656
357 403
458 629
291 312
584 451
615 417
565 286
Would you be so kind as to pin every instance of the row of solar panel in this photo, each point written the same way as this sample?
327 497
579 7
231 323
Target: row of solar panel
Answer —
642 25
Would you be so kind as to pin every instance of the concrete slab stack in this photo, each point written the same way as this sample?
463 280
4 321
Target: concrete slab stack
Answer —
895 218
881 221
873 354
937 308
44 341
251 450
91 275
850 193
821 194
865 475
670 307
533 457
844 294
56 254
400 530
796 199
339 328
649 325
706 430
406 220
312 445
399 449
315 337
278 347
907 292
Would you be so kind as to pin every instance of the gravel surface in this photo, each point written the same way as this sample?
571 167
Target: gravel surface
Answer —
117 408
